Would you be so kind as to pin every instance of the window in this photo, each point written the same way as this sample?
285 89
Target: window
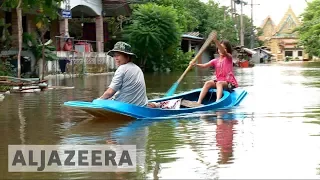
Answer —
299 53
288 53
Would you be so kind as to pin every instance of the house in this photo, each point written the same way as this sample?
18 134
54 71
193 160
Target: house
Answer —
96 32
191 41
246 54
281 39
264 54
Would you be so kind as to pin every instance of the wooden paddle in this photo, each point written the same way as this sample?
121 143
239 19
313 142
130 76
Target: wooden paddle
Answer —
173 88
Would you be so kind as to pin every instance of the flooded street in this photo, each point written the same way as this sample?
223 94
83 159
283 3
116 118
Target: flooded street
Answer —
274 133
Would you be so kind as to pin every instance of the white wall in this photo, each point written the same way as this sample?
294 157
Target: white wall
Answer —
95 5
295 54
205 57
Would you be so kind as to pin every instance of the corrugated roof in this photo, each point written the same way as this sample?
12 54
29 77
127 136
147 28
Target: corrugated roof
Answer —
250 51
193 33
192 37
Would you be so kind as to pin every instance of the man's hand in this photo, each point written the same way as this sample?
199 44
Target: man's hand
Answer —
101 98
108 94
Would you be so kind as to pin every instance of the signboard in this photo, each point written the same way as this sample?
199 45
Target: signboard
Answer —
66 14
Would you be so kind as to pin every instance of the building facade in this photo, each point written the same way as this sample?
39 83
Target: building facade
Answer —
282 40
93 9
96 31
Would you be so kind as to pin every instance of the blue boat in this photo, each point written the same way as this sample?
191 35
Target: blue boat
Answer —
115 109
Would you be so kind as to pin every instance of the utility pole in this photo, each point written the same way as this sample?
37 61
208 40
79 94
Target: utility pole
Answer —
252 33
235 19
224 13
241 26
232 9
241 2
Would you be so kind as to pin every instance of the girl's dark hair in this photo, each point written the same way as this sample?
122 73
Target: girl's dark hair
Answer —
228 46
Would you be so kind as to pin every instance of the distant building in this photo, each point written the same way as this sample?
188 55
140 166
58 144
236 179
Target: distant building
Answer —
95 31
192 42
281 39
264 54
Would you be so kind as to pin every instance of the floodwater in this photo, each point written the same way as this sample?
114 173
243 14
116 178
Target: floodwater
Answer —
274 133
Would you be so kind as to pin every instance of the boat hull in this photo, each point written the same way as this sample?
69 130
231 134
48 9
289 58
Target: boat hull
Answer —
110 108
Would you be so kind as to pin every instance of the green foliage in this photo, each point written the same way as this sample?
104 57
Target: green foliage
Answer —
154 32
180 60
187 19
156 26
195 15
6 69
199 11
46 8
33 43
5 39
309 31
257 41
247 32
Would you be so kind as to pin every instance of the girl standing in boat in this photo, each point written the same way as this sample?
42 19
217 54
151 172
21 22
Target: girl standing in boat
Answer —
223 66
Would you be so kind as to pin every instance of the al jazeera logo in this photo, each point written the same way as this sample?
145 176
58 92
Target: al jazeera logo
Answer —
62 158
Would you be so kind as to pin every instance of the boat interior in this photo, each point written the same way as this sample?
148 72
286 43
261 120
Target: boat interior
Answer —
190 100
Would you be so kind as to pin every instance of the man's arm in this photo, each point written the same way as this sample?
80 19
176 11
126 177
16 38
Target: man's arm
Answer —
108 93
115 84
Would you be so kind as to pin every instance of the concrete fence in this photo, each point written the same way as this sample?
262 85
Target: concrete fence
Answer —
81 63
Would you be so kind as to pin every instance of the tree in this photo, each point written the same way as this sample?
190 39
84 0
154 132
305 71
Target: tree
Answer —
309 31
46 10
153 33
223 24
188 19
199 11
195 15
247 32
258 42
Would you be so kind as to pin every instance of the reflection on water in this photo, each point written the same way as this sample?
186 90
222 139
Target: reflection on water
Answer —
274 133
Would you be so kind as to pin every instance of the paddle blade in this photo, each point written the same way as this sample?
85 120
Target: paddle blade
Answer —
172 90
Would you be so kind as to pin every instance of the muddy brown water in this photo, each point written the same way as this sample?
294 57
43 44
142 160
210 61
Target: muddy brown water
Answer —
274 133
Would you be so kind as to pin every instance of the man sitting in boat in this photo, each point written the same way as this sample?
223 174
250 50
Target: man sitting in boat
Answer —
128 84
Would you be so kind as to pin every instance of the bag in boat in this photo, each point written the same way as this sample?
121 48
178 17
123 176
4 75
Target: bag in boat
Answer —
170 104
